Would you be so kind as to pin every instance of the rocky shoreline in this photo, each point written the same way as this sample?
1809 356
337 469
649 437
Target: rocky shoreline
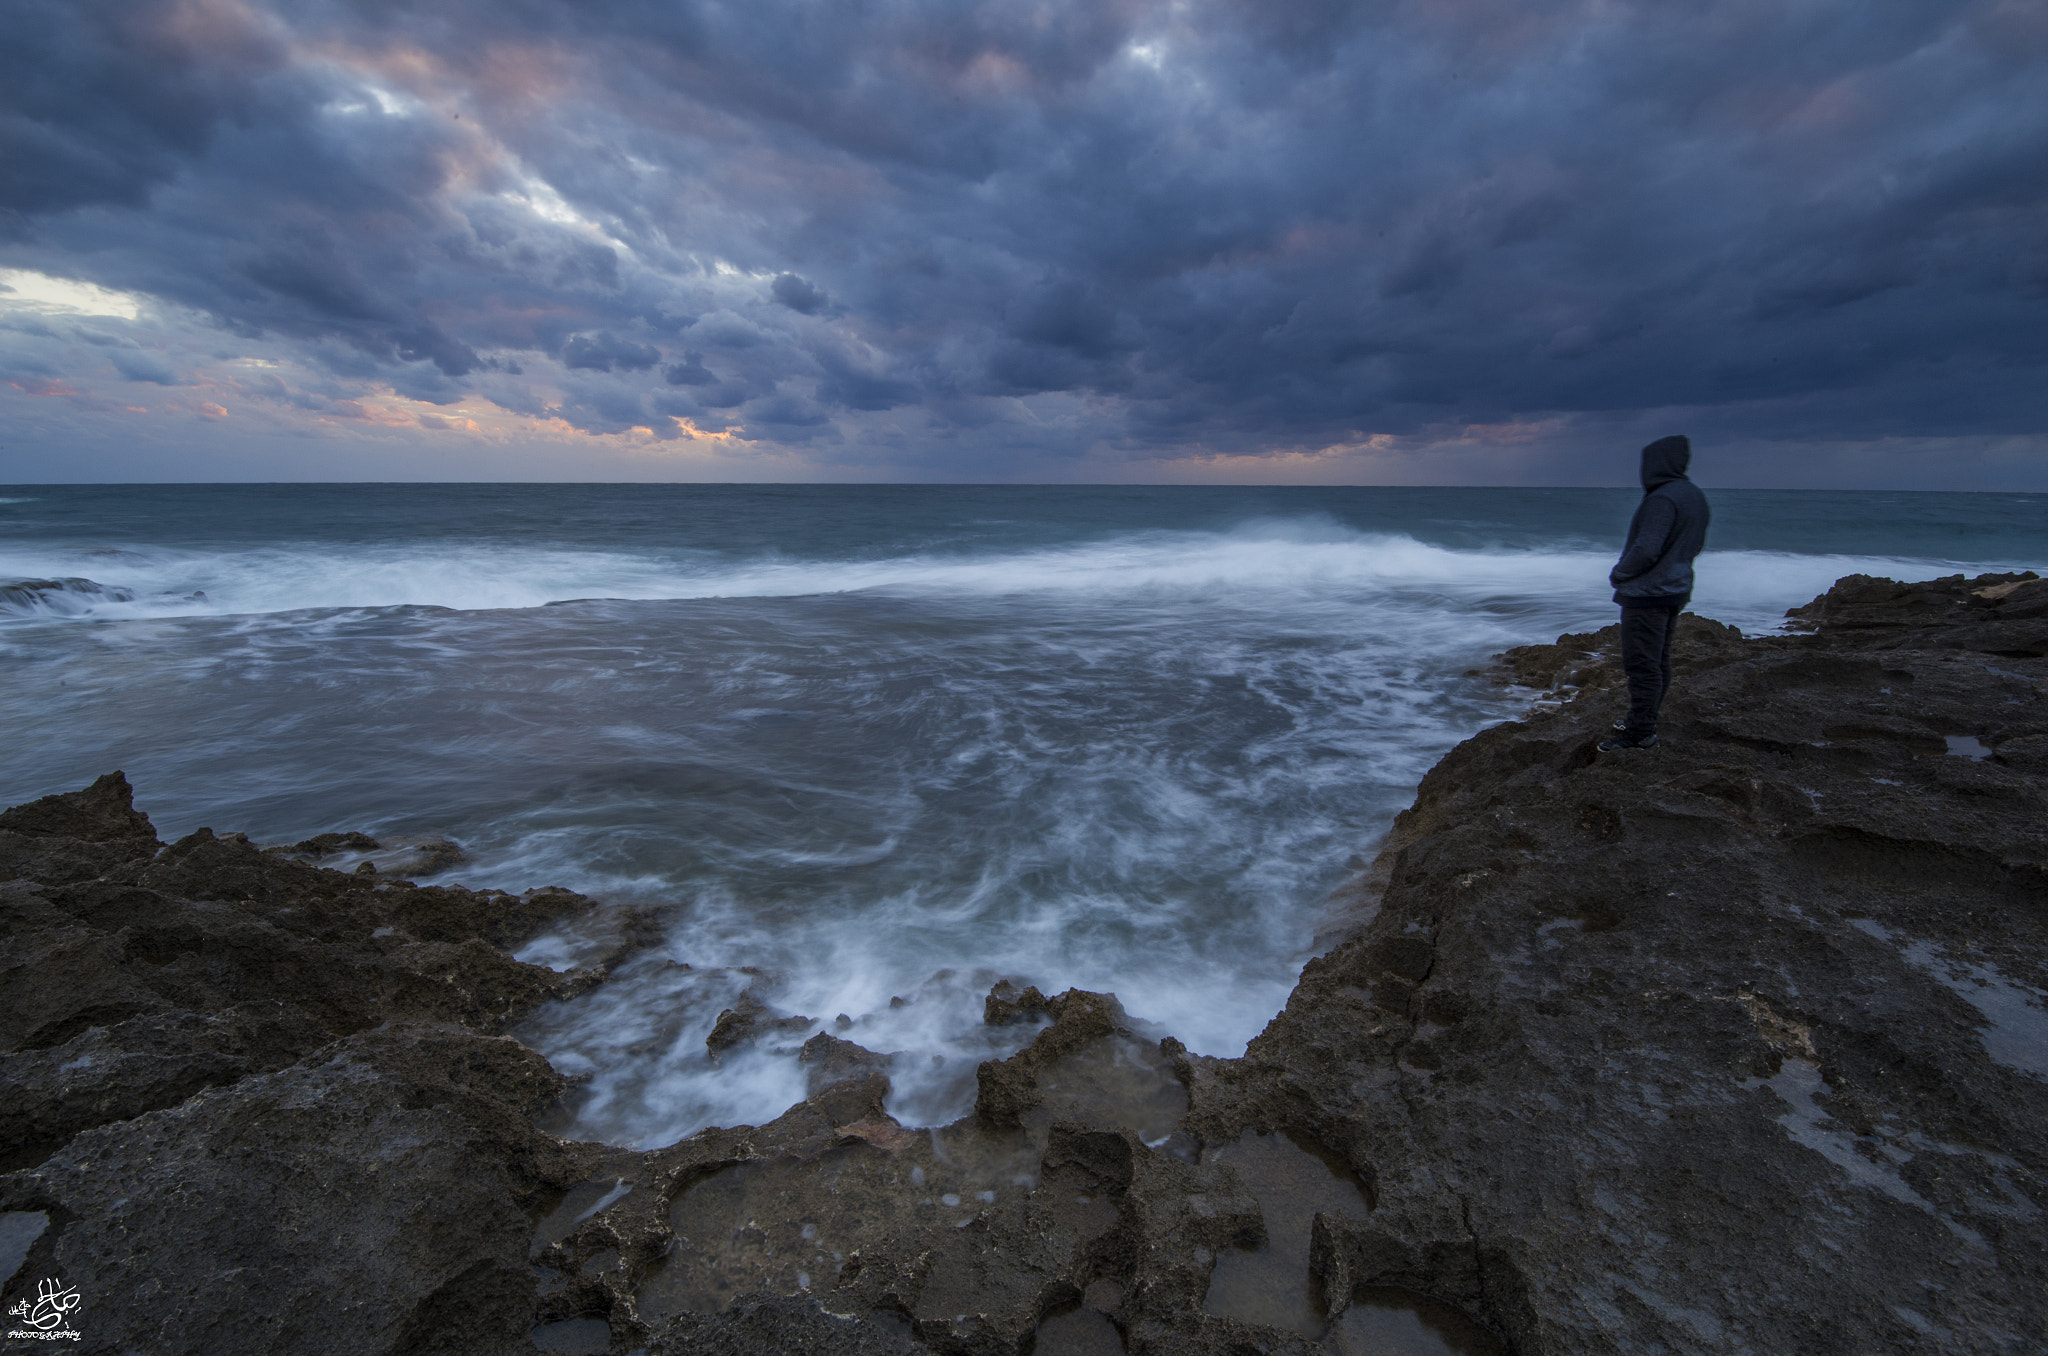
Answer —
1735 1045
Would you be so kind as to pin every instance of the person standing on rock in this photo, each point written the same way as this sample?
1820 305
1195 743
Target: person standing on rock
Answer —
1653 583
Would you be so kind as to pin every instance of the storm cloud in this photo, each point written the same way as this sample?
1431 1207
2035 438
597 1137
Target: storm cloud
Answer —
984 239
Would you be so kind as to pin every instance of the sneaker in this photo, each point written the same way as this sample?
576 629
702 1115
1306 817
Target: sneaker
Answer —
1625 741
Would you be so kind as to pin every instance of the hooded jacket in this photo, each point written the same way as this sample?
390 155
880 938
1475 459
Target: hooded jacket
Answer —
1668 530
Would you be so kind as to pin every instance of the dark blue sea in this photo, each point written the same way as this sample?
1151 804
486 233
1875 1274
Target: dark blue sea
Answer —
866 749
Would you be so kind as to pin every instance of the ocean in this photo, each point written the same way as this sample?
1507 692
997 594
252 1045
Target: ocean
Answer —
864 750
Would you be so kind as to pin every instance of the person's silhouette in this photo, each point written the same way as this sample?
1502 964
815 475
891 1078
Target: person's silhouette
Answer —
1653 583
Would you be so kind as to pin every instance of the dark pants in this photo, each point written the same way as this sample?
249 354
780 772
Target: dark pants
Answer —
1646 658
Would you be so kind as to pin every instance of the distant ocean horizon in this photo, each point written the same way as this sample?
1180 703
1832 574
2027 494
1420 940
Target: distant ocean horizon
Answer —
865 749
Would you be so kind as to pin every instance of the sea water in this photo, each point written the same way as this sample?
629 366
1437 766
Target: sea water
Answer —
862 750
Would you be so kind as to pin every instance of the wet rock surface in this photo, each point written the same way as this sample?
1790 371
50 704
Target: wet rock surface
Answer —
1734 1045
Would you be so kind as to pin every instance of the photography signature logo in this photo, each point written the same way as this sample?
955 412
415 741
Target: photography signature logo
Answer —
48 1318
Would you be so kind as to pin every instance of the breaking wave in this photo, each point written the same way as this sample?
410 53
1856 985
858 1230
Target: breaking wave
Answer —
1748 588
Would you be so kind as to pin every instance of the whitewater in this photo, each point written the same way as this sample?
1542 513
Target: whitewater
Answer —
859 751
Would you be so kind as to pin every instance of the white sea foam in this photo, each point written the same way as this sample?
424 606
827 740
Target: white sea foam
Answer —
1749 588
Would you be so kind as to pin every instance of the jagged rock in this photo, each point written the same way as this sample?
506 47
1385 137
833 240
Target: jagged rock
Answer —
76 835
425 857
855 1102
321 845
2001 614
1006 1005
1007 1088
103 812
210 961
402 858
828 1060
746 1020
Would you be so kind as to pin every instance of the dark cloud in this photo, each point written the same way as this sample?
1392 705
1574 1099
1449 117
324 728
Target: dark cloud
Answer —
969 228
856 381
605 352
104 101
786 410
689 372
798 294
145 367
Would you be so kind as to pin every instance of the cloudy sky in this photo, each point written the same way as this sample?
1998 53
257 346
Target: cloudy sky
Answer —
1404 241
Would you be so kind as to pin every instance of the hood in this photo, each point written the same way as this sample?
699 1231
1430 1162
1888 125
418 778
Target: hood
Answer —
1666 460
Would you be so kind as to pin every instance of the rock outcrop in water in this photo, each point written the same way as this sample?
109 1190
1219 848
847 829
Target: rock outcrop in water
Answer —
1738 1044
57 597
